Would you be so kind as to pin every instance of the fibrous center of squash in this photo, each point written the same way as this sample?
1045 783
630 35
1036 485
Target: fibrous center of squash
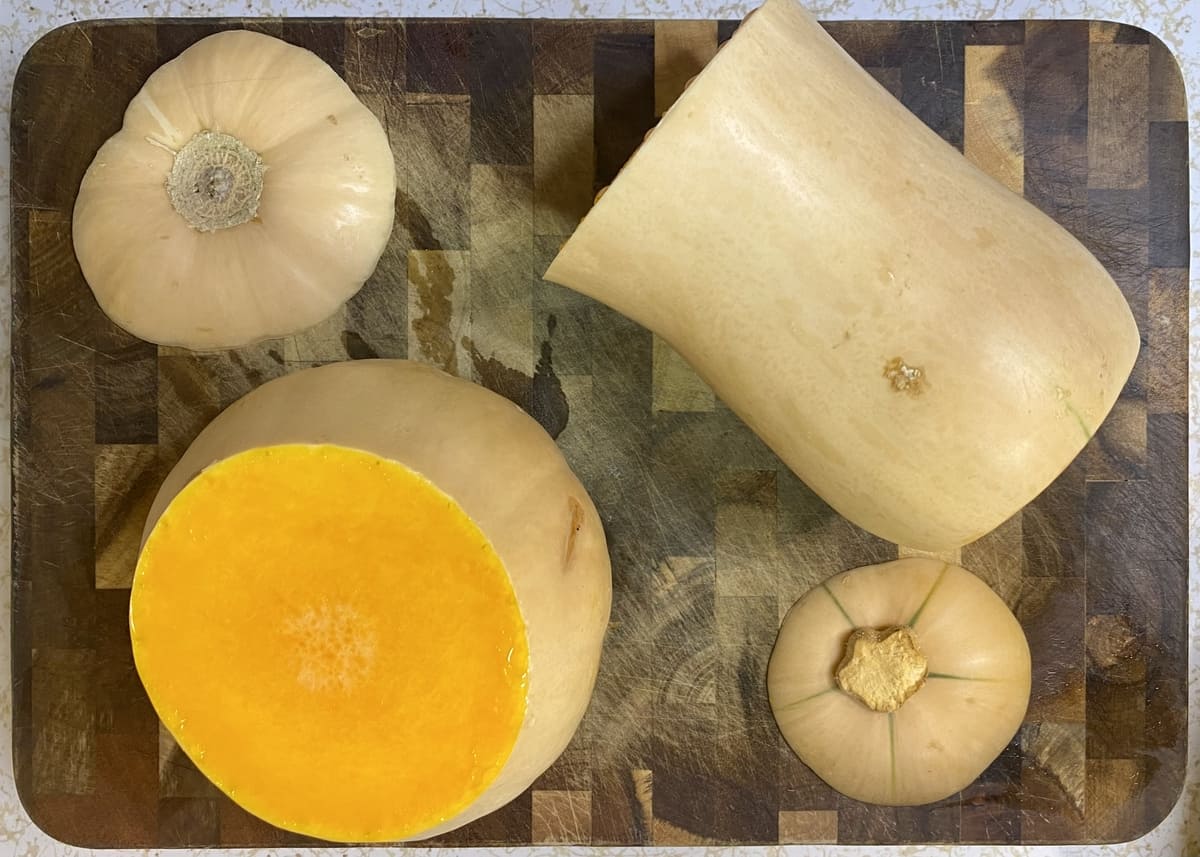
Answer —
216 181
882 667
332 640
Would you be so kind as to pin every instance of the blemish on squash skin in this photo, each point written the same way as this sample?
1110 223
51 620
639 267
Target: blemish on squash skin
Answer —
1083 426
845 338
1064 396
573 529
887 277
905 378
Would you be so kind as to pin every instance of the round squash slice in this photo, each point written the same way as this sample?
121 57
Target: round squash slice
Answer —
370 601
248 194
899 683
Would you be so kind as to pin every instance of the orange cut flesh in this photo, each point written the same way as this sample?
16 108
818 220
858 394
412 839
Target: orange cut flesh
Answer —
332 640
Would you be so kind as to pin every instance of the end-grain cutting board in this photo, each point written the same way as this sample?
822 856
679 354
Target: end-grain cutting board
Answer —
502 131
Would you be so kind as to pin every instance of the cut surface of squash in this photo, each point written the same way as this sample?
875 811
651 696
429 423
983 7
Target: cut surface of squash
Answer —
332 640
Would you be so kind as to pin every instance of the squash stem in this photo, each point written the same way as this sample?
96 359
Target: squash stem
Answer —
216 182
882 667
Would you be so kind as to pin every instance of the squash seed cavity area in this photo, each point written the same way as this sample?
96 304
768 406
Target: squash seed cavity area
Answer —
332 640
333 646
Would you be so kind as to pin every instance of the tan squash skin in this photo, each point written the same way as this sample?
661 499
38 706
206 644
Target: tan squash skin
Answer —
800 237
328 188
946 733
504 471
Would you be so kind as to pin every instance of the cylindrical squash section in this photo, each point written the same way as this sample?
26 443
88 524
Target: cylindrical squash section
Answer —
923 347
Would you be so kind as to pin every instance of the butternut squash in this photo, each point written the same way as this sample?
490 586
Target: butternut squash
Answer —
924 348
370 601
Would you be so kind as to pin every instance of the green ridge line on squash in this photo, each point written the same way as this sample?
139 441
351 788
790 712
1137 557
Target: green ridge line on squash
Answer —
941 574
796 703
839 606
956 677
1087 432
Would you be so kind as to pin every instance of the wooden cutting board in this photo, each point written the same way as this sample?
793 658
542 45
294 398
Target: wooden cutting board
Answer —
502 132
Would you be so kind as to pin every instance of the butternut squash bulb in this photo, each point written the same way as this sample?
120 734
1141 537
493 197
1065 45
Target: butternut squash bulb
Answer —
370 601
248 195
920 345
899 683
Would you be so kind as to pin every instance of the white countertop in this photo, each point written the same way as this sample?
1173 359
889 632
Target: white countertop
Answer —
1176 22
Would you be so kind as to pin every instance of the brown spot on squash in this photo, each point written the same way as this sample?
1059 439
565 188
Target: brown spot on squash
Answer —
573 529
984 238
331 119
905 378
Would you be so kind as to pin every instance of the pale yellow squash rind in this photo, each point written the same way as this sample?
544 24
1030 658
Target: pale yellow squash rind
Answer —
923 347
938 741
323 219
508 476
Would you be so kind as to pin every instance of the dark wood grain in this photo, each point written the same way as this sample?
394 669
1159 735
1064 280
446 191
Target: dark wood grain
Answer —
562 59
325 39
188 822
434 207
931 65
375 57
624 84
126 391
439 55
500 83
994 32
1169 242
502 131
1055 118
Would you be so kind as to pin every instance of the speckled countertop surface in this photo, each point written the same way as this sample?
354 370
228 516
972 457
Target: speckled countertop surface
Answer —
1177 22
